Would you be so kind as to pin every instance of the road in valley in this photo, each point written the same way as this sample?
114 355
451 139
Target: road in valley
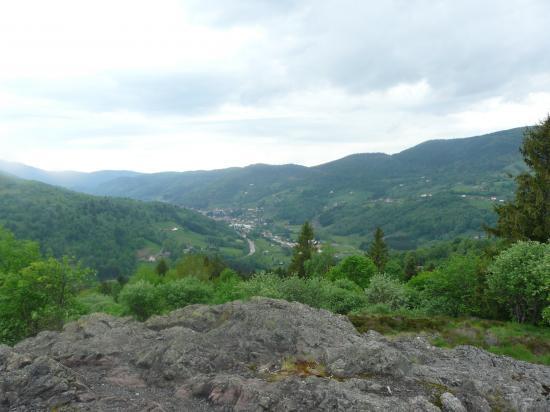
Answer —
251 246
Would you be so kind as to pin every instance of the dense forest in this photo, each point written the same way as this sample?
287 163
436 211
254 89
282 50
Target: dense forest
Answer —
106 233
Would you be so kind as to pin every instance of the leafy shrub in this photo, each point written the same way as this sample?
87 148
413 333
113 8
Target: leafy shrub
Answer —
41 296
227 287
452 289
147 274
340 300
519 279
141 299
358 269
263 284
110 288
185 292
98 302
384 289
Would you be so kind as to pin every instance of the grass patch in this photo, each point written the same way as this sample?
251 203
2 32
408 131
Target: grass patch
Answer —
524 342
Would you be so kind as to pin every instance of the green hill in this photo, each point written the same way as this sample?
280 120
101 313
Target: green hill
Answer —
108 234
436 190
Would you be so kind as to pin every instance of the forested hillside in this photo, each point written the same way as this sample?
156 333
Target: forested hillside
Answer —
434 191
107 233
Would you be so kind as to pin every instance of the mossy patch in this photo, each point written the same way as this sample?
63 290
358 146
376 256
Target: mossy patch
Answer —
524 342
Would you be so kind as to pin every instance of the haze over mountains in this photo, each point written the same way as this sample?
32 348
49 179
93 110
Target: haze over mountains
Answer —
436 190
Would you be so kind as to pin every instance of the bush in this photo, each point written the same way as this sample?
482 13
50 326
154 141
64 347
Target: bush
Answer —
185 292
386 290
97 302
452 289
263 284
340 300
358 269
519 279
141 299
227 287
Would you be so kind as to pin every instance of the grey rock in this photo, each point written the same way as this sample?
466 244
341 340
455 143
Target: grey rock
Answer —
449 403
260 355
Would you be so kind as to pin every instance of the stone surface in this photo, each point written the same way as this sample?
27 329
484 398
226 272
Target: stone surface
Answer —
260 355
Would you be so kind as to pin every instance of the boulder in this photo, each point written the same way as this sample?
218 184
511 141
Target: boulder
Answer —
258 355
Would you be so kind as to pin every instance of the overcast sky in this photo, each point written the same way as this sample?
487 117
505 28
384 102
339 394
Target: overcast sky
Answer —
202 84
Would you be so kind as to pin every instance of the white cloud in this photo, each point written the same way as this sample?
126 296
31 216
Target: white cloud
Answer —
157 85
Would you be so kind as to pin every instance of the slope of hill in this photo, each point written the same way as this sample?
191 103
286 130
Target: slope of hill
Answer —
436 190
107 233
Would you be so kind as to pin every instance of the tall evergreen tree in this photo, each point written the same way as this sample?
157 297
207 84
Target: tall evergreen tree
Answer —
378 250
411 264
162 267
303 251
527 217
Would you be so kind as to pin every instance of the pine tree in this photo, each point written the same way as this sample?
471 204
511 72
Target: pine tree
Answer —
410 266
162 267
527 217
303 251
378 250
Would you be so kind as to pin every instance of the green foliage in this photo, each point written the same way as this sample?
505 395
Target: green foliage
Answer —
527 217
411 264
320 263
110 288
523 342
303 251
227 287
342 296
185 292
146 273
40 296
199 266
141 299
358 269
104 233
378 251
162 267
519 280
16 254
452 289
386 290
92 302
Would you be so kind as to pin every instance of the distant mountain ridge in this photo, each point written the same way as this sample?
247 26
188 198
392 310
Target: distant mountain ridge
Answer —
352 195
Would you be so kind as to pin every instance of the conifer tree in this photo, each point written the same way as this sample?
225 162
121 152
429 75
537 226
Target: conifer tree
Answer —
378 250
410 266
527 217
303 251
162 267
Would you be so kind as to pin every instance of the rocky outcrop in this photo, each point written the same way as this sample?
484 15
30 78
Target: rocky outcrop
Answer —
259 355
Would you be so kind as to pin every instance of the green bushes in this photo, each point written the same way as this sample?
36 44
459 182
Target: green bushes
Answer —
519 280
141 299
185 292
40 296
358 269
386 290
451 289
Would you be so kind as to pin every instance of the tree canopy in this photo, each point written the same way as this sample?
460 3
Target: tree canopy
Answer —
527 217
303 251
